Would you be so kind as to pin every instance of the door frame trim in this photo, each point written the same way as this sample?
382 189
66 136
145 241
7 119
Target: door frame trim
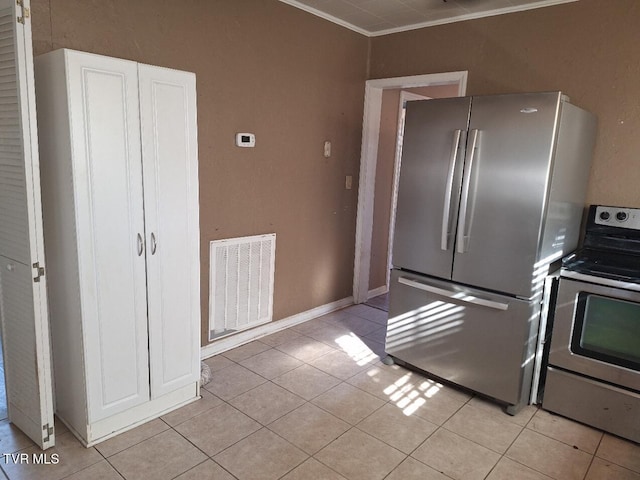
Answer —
368 160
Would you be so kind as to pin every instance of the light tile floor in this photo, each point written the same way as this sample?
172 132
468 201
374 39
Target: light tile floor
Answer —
315 402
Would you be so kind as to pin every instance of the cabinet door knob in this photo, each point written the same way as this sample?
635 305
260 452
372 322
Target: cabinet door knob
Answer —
154 243
140 245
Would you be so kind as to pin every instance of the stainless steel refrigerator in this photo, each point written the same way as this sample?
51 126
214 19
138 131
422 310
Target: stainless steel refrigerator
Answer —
491 192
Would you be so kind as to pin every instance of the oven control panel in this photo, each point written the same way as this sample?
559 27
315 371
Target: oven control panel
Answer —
618 217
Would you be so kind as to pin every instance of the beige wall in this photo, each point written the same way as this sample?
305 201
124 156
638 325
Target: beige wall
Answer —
589 49
262 66
384 175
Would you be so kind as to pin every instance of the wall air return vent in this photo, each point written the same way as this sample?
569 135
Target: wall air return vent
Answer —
240 283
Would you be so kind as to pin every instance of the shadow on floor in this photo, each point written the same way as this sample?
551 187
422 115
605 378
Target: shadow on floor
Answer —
381 302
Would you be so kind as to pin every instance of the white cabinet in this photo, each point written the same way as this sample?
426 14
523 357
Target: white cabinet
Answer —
120 200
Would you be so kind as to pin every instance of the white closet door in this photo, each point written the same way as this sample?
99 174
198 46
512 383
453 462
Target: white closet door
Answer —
170 164
107 171
23 301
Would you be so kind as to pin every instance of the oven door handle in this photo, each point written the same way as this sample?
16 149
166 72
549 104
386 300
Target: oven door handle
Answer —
461 296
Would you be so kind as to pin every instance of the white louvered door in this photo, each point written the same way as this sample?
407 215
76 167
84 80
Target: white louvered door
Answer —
23 301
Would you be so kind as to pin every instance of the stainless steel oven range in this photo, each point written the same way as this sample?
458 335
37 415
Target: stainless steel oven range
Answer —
593 372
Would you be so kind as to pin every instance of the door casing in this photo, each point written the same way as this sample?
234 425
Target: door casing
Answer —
368 161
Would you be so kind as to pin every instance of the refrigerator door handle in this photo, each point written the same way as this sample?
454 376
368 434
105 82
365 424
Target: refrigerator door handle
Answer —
462 226
446 211
462 296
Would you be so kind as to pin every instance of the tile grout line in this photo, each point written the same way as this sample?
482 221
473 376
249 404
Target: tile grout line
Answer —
334 440
90 465
110 464
290 443
382 441
504 455
593 457
575 447
210 457
205 453
195 466
550 438
130 446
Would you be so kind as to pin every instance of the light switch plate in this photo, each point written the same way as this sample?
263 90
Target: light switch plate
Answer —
327 149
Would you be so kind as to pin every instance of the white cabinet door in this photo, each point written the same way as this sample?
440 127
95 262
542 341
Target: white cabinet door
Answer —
107 174
169 139
23 302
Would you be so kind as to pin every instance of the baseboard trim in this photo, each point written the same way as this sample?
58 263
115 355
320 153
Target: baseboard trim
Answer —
377 291
233 341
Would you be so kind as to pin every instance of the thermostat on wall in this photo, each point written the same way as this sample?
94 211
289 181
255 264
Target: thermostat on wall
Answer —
245 140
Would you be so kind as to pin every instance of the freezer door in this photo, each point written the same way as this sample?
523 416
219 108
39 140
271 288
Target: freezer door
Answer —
506 179
478 340
429 185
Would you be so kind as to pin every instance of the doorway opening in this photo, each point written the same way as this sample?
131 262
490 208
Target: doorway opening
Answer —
394 104
371 136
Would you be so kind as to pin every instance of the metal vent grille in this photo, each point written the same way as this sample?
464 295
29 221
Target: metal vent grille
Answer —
240 283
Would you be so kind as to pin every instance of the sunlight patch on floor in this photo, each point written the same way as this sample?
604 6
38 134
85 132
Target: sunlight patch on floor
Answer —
406 393
356 349
410 391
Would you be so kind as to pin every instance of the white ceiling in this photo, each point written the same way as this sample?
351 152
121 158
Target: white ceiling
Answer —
381 17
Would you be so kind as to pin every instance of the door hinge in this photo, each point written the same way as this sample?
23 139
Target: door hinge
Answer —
48 431
39 271
26 12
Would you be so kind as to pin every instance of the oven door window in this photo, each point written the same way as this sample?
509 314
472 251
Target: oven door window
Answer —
607 329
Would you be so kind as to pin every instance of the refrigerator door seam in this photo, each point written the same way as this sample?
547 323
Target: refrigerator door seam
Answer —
462 238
